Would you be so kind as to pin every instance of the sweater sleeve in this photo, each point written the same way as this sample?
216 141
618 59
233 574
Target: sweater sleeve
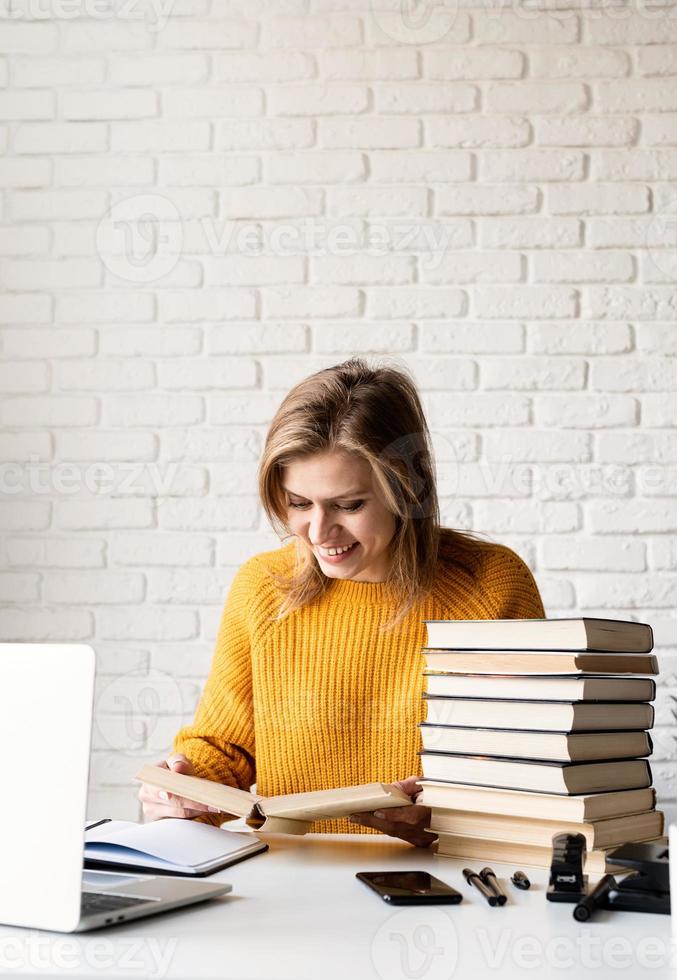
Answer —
510 587
220 742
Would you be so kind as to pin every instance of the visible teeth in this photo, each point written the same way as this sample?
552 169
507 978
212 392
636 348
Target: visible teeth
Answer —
338 551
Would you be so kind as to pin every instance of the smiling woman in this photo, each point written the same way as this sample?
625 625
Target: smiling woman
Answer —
316 680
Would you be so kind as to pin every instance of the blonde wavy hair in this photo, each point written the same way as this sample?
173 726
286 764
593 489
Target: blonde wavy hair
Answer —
376 413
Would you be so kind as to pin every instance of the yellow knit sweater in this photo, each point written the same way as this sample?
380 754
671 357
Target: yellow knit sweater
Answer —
321 699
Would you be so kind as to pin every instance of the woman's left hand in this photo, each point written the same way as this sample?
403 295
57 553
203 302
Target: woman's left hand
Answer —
407 822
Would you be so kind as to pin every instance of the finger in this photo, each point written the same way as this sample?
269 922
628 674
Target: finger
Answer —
177 757
181 801
409 785
154 812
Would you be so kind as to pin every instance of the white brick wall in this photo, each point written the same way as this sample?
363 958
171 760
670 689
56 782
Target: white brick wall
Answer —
487 194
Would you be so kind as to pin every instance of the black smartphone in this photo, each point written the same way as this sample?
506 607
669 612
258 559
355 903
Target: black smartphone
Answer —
410 888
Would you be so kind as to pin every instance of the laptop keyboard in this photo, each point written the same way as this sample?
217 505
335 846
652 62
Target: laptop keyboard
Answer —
93 902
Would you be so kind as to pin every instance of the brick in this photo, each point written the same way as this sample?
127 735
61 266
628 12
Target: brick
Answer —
618 232
647 591
657 59
50 274
585 411
154 549
25 308
269 202
637 26
470 267
486 199
19 587
537 445
49 411
352 201
309 31
444 373
263 134
369 133
250 270
160 136
635 95
28 38
503 26
449 63
269 67
93 36
482 409
51 625
586 131
23 105
105 307
387 26
230 445
475 338
530 232
98 588
48 342
536 165
659 130
205 515
521 517
180 585
56 552
106 514
52 72
580 481
635 164
23 376
316 167
633 374
533 374
24 515
365 337
579 337
362 269
656 481
310 99
54 204
420 166
209 35
104 375
583 266
60 137
24 446
582 61
208 170
416 301
598 199
122 103
631 303
207 102
158 69
478 131
663 554
631 448
201 373
593 554
206 305
24 240
147 623
537 96
94 171
419 97
253 338
532 302
254 408
367 64
153 410
656 338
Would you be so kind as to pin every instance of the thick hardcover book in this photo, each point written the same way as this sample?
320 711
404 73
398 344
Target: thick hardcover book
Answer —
530 662
580 634
542 716
584 687
289 814
549 777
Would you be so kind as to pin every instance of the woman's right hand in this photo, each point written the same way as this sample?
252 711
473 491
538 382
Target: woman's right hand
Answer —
157 803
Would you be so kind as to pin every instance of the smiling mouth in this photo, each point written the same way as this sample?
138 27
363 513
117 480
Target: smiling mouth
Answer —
332 552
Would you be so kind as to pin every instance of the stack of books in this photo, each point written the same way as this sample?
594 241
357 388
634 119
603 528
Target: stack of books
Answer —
538 727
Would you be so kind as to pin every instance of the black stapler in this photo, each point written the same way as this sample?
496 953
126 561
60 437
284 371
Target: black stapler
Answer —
647 887
567 881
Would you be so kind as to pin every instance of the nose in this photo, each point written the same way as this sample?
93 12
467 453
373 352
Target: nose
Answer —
319 528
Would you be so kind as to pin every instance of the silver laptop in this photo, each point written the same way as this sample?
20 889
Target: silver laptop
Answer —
46 698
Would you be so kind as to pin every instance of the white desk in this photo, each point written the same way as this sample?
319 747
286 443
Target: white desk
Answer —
297 912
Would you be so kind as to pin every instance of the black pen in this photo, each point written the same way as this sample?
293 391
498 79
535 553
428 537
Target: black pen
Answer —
597 896
489 878
474 879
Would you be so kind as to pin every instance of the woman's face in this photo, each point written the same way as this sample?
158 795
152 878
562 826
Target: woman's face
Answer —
334 501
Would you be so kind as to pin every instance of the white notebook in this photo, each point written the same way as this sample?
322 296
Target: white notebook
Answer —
169 846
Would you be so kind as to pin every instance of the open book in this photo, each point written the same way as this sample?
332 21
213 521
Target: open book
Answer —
290 814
